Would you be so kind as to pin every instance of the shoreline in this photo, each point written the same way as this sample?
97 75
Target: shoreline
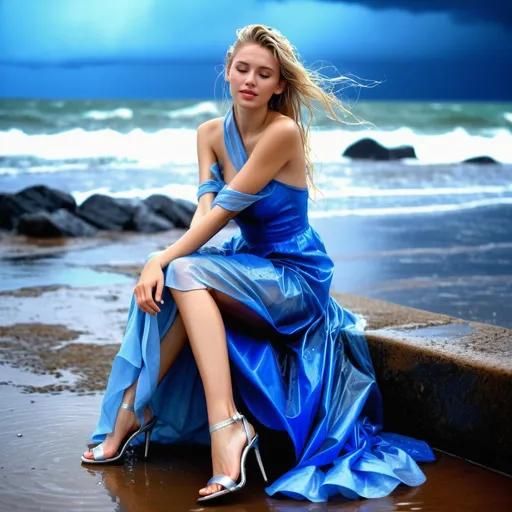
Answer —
456 263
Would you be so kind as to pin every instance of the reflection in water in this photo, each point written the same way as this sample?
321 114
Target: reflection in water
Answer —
383 504
41 471
169 482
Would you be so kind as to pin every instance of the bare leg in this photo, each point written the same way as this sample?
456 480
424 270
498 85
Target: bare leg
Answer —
207 339
126 421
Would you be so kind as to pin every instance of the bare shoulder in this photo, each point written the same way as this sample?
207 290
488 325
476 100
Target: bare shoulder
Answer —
283 134
283 129
210 128
284 124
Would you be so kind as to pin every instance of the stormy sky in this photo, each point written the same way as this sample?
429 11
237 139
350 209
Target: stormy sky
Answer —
420 49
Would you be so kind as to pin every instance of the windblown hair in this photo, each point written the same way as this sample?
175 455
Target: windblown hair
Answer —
303 86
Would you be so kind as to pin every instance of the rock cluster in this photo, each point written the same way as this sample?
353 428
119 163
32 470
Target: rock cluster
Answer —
45 212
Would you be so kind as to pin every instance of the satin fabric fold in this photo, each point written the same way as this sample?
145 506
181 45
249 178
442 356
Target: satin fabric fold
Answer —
307 371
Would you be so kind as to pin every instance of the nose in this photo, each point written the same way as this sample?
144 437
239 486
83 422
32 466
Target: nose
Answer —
249 80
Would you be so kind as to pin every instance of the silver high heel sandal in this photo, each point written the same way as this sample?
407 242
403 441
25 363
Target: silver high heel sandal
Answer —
252 444
97 451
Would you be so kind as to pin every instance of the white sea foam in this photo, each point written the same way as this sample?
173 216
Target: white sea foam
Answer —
409 210
354 191
206 108
187 192
178 146
101 115
451 147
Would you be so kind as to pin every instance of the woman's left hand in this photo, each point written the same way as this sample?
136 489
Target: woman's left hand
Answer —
151 278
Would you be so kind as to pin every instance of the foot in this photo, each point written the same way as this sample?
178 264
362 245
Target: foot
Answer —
126 423
227 446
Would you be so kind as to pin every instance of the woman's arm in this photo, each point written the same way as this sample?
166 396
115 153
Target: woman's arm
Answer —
276 147
206 157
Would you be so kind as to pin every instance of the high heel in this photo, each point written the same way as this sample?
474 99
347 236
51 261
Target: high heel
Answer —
98 454
229 485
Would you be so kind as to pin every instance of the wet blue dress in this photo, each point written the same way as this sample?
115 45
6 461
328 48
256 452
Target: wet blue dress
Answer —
308 373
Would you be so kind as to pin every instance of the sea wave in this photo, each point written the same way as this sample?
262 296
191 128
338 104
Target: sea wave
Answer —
205 108
410 210
367 192
175 190
101 115
178 145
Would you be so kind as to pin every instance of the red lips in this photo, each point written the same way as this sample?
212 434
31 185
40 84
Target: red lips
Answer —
248 91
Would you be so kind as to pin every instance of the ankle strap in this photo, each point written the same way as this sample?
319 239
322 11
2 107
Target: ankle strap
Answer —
236 417
127 406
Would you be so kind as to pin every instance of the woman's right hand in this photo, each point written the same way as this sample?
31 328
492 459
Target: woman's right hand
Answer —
151 278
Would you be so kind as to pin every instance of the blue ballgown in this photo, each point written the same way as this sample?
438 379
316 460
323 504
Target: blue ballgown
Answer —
309 373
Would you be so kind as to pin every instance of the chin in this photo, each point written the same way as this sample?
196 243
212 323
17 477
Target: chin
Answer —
250 105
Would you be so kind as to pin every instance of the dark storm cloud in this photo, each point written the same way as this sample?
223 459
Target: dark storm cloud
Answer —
466 10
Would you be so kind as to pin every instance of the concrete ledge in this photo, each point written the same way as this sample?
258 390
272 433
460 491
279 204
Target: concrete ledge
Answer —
443 380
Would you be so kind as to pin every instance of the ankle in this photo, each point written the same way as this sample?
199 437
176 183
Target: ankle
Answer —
222 413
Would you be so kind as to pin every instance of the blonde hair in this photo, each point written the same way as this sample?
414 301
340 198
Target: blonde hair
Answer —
303 86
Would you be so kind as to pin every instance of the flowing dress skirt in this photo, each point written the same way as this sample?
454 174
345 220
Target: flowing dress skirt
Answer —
306 371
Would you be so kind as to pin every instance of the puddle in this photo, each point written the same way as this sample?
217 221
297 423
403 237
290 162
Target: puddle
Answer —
78 263
20 377
447 332
51 271
41 471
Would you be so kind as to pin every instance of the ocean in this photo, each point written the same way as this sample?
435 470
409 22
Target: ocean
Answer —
433 224
134 149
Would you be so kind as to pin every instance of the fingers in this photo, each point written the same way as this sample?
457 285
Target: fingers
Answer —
159 290
144 297
150 303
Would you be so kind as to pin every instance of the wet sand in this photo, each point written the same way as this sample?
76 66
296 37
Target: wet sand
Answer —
63 311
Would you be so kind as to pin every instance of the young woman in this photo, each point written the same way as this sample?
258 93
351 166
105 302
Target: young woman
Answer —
255 314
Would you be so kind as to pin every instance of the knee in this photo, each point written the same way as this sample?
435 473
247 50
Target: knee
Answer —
184 274
181 267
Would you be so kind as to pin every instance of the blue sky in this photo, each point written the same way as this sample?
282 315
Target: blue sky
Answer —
140 48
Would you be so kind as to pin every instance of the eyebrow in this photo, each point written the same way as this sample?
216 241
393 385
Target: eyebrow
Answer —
260 67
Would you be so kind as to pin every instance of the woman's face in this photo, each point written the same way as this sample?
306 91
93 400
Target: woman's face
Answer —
254 76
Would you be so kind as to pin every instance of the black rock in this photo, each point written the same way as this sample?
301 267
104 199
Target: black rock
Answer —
178 211
188 206
145 220
32 200
107 213
56 224
368 149
480 160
